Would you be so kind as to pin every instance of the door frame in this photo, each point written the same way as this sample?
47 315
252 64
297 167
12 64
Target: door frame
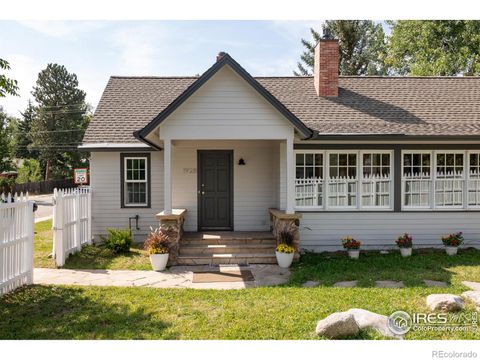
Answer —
199 197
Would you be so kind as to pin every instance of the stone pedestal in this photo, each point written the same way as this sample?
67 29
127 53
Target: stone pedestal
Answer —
280 221
173 224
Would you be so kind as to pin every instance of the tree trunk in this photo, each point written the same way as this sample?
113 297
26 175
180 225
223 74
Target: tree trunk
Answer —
47 170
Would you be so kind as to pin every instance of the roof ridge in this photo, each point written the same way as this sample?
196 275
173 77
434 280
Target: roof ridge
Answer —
406 77
152 77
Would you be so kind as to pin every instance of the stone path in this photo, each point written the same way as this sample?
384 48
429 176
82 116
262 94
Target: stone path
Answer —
389 284
346 284
175 277
434 283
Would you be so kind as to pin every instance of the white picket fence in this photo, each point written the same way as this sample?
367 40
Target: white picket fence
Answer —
16 242
72 222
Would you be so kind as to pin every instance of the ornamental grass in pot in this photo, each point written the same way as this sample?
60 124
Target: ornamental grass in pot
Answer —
158 246
405 243
285 250
352 246
452 242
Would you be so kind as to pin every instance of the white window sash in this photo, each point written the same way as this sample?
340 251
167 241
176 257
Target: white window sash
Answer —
126 181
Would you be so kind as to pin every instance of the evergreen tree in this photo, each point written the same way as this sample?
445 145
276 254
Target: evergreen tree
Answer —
362 48
60 121
23 136
6 135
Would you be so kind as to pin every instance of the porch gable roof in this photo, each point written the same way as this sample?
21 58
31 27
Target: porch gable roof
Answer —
226 59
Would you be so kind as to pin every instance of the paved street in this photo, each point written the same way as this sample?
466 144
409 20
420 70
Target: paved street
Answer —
45 206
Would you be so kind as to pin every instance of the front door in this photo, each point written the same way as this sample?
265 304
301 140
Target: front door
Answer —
215 190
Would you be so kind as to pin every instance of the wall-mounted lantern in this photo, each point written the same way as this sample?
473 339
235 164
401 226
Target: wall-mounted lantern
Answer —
241 162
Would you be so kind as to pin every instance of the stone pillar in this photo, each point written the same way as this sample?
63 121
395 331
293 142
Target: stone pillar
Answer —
281 221
173 224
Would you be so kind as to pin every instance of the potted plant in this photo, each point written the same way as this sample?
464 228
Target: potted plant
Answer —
404 242
352 246
452 242
285 251
158 245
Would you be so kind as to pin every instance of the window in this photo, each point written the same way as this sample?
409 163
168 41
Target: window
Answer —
135 180
343 180
441 179
309 179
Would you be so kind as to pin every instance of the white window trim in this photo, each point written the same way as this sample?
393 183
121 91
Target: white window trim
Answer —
359 171
125 181
433 178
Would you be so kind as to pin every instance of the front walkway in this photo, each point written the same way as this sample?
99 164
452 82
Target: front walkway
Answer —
175 277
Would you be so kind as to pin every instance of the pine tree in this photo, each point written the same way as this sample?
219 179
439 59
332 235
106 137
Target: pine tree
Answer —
6 135
362 48
23 136
60 120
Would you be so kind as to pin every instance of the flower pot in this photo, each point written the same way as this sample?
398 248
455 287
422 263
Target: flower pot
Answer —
451 250
354 254
159 261
284 259
406 252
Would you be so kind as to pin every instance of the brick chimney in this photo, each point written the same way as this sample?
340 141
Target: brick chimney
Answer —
325 72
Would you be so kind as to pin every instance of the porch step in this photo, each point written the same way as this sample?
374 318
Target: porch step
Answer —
209 249
215 259
227 247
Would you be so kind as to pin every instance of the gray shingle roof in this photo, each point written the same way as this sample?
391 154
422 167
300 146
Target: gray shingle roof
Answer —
365 105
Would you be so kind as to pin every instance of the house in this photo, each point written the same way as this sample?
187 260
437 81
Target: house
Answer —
372 157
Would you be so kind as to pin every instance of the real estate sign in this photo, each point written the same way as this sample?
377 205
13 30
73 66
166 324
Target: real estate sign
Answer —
80 176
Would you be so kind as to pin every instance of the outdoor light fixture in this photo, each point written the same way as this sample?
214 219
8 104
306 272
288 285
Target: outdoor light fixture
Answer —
241 161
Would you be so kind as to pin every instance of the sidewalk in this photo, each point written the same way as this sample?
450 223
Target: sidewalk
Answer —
175 277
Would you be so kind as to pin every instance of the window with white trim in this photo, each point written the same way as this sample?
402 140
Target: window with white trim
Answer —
343 180
440 179
135 178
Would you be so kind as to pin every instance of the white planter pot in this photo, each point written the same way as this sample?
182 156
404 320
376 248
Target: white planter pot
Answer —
451 250
159 261
354 254
284 260
406 252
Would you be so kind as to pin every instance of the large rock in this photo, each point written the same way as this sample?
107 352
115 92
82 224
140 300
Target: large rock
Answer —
445 302
369 320
337 325
474 296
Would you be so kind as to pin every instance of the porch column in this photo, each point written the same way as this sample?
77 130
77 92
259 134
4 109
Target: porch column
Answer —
167 174
290 172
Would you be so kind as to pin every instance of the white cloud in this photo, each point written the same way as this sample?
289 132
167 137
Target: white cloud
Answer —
61 28
25 70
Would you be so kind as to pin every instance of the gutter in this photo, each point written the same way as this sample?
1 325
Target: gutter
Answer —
139 137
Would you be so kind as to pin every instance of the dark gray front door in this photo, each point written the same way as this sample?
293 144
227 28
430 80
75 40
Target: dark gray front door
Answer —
215 190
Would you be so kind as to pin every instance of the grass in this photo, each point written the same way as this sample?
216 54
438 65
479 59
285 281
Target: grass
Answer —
91 257
285 312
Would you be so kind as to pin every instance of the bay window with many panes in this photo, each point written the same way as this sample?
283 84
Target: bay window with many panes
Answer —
343 180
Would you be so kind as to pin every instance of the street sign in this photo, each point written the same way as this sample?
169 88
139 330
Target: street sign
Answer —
81 176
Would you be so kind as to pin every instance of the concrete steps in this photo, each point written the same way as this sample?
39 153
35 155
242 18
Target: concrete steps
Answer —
215 248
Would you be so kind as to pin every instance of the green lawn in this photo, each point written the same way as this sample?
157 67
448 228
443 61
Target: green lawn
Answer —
285 312
91 257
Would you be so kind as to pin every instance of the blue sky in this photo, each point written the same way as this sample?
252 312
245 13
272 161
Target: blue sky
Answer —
94 50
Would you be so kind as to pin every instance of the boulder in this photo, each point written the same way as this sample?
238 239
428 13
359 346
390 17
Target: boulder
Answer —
337 325
369 320
474 296
445 302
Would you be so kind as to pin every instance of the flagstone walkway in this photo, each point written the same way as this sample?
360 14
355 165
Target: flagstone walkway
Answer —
175 277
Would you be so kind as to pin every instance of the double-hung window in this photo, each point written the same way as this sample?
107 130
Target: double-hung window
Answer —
343 180
440 180
135 180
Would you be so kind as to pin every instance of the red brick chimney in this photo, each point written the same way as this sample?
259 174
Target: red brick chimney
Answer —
325 72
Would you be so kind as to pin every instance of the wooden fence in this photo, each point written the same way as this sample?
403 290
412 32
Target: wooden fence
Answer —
72 222
43 187
16 242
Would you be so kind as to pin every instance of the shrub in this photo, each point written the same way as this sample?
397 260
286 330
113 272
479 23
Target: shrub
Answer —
286 237
404 241
159 241
118 240
284 248
350 243
29 172
453 239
